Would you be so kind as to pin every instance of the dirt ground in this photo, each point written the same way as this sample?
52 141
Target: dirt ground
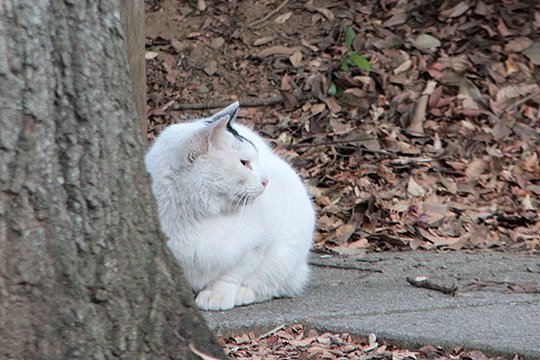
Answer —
435 147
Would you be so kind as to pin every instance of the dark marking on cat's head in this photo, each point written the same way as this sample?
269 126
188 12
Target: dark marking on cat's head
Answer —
230 111
237 135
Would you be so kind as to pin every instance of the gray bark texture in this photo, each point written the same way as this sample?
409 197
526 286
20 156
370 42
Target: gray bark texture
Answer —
84 270
132 14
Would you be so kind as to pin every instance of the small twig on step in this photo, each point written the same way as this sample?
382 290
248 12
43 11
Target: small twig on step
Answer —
424 282
271 332
221 104
269 15
344 266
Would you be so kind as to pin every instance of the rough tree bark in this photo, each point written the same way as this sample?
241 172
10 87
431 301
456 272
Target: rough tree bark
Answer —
133 24
84 272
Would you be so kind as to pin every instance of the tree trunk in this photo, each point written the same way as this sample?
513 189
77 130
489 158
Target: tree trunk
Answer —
133 24
84 270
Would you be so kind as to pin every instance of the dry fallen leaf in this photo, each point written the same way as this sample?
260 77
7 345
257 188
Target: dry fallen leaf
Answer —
456 11
518 44
201 5
279 51
426 42
512 91
328 14
533 53
527 203
281 19
403 67
201 354
398 17
317 108
263 41
476 168
148 55
296 59
211 67
414 189
216 43
344 232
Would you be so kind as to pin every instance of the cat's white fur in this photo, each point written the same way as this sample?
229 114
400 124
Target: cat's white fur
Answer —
237 216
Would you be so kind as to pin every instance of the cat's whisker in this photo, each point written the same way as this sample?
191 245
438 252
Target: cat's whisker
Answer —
234 203
245 197
251 197
237 199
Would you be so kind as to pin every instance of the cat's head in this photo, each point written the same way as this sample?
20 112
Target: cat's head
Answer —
217 168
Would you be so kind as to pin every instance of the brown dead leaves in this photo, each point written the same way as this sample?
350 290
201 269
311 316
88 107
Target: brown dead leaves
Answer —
437 147
291 342
295 342
425 151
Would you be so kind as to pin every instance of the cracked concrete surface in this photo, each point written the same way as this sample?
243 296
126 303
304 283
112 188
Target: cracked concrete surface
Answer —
496 308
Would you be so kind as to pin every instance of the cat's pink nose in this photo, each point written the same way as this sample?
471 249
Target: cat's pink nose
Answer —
264 181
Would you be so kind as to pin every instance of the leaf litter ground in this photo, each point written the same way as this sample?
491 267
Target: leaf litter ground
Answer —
435 148
295 342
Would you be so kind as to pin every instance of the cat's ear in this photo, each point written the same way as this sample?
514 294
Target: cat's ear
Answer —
229 111
212 133
221 122
218 128
198 144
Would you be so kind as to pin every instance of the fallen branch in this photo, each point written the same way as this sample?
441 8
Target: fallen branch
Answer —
345 267
269 15
407 161
522 101
337 142
221 104
424 282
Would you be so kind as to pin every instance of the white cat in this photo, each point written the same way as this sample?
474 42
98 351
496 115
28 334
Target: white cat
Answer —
237 216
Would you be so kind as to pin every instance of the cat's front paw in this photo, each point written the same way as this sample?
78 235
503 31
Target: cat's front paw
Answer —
215 300
245 296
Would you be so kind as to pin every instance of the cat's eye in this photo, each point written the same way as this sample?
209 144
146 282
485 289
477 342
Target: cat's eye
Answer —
246 164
